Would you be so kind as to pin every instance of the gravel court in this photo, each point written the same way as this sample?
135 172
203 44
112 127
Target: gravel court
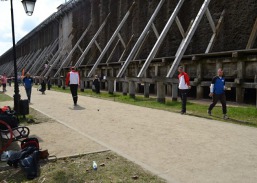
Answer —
177 148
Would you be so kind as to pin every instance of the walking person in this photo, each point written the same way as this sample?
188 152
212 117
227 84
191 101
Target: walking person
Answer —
217 92
4 81
48 83
28 83
43 86
72 80
184 86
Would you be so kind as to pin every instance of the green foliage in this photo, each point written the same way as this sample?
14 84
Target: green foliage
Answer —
4 97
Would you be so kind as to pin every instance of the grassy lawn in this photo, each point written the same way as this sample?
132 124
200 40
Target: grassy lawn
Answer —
4 97
111 168
237 114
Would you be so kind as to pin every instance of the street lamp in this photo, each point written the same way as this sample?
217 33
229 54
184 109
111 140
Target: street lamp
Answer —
29 8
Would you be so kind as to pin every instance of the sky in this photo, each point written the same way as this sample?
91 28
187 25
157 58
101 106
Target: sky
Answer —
22 22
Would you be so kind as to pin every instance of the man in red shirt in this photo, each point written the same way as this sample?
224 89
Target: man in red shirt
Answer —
72 80
184 86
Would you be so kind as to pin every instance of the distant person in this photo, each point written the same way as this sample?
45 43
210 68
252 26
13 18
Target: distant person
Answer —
184 86
48 83
43 86
96 84
72 80
10 81
28 83
217 92
4 82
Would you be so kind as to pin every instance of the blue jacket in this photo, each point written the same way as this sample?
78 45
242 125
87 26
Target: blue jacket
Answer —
219 84
28 82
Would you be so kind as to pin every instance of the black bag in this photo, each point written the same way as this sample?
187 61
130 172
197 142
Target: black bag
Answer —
10 119
30 165
17 156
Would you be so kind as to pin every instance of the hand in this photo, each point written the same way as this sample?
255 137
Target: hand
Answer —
211 95
189 87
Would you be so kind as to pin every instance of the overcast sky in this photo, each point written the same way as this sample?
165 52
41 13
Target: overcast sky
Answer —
23 23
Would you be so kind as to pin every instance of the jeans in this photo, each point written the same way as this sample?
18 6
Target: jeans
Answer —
215 99
28 92
183 95
74 92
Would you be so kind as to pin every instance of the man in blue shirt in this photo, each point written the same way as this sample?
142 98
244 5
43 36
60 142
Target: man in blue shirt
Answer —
217 92
28 82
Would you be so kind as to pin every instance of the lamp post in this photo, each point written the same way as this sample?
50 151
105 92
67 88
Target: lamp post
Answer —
29 8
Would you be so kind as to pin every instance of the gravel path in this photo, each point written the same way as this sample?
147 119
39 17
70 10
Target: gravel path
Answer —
178 148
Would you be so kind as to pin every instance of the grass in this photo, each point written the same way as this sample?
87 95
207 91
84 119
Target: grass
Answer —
4 97
79 170
246 115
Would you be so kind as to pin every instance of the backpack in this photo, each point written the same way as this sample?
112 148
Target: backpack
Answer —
17 156
5 109
30 165
30 142
8 116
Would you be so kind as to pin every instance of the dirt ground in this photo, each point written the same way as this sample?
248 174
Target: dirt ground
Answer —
60 140
175 147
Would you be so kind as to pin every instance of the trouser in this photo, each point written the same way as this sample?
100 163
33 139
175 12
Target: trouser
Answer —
4 87
183 95
215 99
74 92
28 92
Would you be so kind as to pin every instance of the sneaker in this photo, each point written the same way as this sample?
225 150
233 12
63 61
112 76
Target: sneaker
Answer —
182 113
209 112
225 116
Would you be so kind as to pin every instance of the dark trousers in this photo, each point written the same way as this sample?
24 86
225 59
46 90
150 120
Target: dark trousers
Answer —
28 92
183 95
74 92
215 99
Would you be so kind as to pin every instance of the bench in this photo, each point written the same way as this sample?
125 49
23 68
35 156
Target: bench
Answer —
12 134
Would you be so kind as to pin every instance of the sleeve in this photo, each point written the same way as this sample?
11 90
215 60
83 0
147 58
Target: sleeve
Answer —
187 79
78 79
213 80
67 79
212 84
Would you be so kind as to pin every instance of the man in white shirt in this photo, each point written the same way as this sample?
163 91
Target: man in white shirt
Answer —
184 86
72 80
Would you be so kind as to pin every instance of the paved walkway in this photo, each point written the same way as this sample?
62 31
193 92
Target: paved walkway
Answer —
178 148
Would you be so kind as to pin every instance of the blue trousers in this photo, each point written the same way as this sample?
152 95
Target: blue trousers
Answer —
28 92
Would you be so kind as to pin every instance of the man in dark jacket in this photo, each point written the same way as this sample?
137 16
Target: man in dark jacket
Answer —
217 92
28 83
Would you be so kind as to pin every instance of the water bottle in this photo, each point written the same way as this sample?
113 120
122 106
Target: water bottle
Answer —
94 165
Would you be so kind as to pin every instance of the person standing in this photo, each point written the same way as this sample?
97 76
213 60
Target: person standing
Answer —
4 81
72 80
48 83
217 92
28 83
184 86
96 83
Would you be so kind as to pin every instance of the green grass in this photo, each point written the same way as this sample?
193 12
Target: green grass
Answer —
79 170
4 97
238 114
